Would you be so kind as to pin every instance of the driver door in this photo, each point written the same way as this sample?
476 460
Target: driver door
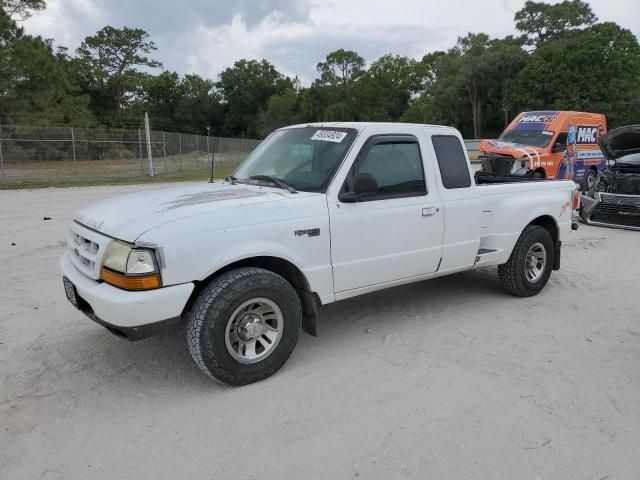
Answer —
391 235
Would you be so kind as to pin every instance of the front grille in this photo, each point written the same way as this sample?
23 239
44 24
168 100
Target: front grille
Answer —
626 200
498 164
86 249
617 210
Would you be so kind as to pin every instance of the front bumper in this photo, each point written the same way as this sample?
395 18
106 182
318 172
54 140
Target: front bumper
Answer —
133 315
611 210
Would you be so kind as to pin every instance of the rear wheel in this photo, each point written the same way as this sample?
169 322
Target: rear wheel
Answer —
529 267
244 325
588 180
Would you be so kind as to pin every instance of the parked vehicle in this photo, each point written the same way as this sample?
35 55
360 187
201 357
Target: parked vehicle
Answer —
615 200
316 214
548 144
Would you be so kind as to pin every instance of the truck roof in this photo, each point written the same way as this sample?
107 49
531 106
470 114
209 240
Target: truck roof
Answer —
362 125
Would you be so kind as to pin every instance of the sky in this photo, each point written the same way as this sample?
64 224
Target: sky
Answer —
207 36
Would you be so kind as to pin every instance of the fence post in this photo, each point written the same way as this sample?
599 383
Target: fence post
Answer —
213 154
73 144
208 129
147 133
164 152
180 149
1 157
140 152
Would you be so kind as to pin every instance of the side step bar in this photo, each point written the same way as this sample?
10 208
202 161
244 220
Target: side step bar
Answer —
482 252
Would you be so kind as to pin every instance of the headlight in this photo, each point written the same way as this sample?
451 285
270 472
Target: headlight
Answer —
131 268
140 262
524 161
116 257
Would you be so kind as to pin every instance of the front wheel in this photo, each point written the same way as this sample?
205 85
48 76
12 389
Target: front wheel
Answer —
244 325
529 267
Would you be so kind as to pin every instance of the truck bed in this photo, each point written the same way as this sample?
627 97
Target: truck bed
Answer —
506 207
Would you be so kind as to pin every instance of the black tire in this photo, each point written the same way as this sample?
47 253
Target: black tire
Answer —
513 274
588 180
209 315
537 175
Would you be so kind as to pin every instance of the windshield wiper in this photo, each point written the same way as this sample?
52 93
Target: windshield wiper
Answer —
275 180
231 179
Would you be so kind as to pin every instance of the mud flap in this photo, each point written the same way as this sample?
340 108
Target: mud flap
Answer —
556 258
310 304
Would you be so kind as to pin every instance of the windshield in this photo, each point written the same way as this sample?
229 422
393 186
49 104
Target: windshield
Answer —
304 158
632 158
534 138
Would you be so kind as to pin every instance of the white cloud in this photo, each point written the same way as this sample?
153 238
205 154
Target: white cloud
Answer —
206 36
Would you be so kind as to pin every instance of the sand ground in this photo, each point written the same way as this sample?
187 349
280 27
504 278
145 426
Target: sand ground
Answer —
445 379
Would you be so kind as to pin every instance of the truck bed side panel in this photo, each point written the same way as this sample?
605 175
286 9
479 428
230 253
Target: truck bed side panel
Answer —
507 208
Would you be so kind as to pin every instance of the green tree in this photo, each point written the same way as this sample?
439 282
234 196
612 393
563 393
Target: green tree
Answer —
594 70
280 112
540 21
443 100
108 63
485 67
34 85
340 68
385 89
467 86
246 89
199 104
21 9
336 91
161 95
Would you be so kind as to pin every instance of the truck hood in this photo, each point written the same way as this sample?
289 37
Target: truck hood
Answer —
127 217
621 141
515 150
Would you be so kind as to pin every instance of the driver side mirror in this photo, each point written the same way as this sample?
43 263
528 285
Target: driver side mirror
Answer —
363 184
558 147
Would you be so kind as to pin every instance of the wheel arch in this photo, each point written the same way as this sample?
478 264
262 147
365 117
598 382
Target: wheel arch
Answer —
549 223
309 300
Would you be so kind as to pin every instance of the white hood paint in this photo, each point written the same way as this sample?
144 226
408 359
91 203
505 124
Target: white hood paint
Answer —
127 217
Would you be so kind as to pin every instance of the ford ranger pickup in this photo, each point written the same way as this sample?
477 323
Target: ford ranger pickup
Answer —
316 214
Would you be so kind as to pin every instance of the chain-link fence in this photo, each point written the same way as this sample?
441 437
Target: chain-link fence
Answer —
60 155
55 155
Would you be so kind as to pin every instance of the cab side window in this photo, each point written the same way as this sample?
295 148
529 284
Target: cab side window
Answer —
454 167
395 164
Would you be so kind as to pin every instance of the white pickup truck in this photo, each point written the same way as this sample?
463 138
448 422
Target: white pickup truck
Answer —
316 214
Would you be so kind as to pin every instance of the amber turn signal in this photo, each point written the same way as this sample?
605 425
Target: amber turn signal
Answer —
141 282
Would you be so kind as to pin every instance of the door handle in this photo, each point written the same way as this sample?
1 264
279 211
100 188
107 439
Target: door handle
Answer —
427 212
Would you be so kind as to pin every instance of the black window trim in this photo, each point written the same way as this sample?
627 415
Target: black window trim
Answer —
440 166
378 139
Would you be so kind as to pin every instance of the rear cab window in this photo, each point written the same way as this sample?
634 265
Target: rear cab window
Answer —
453 164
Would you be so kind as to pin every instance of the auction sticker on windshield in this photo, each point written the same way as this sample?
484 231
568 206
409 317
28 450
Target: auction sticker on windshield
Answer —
329 136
